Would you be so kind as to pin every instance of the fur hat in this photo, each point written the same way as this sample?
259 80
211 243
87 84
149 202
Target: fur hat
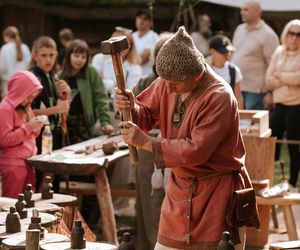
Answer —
179 59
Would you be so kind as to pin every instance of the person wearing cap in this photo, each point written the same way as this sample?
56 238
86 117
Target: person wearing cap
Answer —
220 50
201 143
144 39
255 43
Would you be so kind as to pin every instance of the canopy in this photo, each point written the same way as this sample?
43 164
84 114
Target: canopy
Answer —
267 5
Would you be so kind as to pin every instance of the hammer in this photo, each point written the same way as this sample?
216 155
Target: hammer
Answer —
113 47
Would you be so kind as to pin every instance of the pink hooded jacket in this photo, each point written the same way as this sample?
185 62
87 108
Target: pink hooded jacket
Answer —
17 139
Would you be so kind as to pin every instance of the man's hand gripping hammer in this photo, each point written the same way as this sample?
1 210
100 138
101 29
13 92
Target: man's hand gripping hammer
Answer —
113 47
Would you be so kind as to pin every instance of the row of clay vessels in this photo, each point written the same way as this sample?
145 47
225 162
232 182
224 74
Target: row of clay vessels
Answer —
25 200
13 224
224 244
77 237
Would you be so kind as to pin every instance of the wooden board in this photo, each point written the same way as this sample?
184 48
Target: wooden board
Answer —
18 242
89 246
288 200
66 161
47 220
260 154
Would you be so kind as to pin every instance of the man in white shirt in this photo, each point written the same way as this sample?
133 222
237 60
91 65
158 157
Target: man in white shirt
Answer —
202 34
255 43
144 39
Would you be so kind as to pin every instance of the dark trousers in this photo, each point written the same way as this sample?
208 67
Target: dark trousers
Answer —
148 202
286 119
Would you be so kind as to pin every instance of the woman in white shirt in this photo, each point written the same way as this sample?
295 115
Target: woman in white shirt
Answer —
14 56
220 49
131 67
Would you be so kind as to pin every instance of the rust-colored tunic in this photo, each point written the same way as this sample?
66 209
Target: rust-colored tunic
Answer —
208 141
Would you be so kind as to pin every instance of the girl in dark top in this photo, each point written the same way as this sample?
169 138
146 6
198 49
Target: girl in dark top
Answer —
89 101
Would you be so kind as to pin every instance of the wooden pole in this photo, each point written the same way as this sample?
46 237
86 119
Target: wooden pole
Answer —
105 203
32 239
126 113
291 142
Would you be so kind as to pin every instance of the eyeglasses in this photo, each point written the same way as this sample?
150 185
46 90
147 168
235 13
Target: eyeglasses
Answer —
292 33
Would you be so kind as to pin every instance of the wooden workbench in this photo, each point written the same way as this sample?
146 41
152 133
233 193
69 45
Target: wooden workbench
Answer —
66 162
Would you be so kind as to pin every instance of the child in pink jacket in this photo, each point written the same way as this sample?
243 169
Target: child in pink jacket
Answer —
18 130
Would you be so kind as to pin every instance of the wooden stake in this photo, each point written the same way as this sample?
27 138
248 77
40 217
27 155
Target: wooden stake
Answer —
32 239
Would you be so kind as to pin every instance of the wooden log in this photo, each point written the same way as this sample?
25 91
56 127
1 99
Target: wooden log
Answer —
32 239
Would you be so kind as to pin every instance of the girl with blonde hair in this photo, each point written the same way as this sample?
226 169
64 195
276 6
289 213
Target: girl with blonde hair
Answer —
14 56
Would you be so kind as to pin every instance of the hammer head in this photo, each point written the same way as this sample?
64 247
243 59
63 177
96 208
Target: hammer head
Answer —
114 45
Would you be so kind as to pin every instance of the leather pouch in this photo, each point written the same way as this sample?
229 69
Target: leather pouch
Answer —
242 209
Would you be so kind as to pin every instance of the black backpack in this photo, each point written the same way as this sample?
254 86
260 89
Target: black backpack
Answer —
232 75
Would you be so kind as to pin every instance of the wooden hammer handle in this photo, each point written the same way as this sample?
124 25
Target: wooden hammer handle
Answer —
126 114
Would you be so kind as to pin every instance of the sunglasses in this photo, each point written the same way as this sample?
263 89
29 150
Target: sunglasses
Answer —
292 33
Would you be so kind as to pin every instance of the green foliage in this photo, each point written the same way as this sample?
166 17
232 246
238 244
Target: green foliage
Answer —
94 3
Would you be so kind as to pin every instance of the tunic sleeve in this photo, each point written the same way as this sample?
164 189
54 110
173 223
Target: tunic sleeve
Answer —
146 113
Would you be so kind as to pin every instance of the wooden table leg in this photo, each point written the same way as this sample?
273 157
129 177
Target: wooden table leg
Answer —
274 217
105 204
290 222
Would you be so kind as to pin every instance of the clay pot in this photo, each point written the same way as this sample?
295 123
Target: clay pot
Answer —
109 148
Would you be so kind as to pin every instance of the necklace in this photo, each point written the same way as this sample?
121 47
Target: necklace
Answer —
180 106
179 110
